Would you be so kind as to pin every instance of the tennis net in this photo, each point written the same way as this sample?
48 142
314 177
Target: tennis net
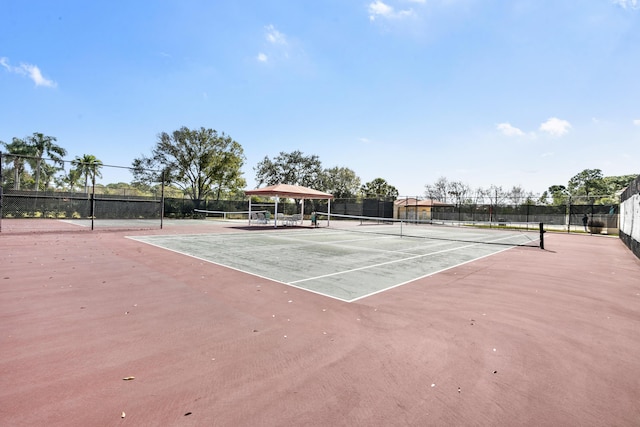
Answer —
514 235
230 215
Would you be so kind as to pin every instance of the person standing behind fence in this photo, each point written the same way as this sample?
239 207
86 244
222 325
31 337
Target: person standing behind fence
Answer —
585 221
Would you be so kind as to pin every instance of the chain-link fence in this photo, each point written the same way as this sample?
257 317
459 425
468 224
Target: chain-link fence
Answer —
630 217
578 214
66 205
69 192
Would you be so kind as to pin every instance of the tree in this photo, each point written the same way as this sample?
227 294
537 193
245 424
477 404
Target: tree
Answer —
72 179
559 194
290 168
496 196
479 195
458 192
40 145
586 183
20 150
378 188
444 190
199 161
48 172
88 166
439 190
342 182
516 195
615 184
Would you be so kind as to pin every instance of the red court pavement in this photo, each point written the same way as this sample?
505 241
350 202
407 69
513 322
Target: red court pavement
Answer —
525 337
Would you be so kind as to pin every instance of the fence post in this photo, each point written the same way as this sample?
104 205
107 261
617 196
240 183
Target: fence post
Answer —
1 187
93 198
569 216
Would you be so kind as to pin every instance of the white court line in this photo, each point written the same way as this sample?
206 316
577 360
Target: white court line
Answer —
366 237
237 269
427 275
344 243
293 283
366 267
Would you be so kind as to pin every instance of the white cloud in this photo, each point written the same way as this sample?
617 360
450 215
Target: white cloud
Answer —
274 36
365 140
35 75
29 70
509 130
627 4
381 9
636 122
555 126
277 46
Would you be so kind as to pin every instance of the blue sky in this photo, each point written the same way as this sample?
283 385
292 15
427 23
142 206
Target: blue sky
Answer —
518 92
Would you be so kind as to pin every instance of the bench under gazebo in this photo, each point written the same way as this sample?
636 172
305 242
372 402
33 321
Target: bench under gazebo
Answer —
290 192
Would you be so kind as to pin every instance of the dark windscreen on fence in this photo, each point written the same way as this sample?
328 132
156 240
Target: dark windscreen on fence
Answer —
68 195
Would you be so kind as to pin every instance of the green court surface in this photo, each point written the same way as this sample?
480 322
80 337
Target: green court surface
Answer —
338 264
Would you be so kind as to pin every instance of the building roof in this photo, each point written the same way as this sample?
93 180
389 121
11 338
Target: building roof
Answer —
289 191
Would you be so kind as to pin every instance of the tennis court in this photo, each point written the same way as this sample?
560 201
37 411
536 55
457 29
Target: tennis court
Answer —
129 327
347 261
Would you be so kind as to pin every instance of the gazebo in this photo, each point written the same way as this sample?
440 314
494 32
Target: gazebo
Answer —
288 191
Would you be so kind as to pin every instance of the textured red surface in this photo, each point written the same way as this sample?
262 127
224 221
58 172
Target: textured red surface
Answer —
525 337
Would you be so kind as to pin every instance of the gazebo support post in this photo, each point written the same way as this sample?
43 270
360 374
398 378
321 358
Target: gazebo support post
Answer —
275 215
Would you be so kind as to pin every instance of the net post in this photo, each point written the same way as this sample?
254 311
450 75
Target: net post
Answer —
542 236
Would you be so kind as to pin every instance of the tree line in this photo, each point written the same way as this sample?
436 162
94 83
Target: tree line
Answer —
589 186
45 171
205 164
201 163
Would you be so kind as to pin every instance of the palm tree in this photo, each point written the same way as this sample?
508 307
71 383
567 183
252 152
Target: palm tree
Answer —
20 150
72 179
40 145
89 166
48 172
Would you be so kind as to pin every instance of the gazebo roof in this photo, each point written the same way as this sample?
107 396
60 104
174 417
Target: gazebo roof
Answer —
289 191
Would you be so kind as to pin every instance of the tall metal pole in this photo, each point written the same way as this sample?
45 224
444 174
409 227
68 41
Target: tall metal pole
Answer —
569 216
162 201
93 198
1 184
